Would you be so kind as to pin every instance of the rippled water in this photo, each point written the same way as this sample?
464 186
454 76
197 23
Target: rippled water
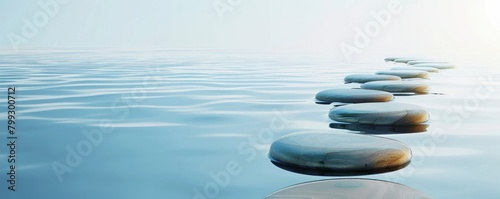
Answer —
175 118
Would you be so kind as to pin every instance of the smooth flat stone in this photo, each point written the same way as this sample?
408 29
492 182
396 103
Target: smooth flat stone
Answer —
390 58
336 153
362 78
397 86
428 69
380 113
425 62
353 96
387 59
348 189
405 73
380 129
438 66
406 60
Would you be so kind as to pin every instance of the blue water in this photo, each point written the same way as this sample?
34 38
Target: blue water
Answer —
171 120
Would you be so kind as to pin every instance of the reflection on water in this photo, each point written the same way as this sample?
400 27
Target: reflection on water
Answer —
177 116
380 129
319 172
348 188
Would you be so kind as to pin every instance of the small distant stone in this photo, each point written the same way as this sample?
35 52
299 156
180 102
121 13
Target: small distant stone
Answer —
348 189
353 96
406 60
337 153
428 69
390 58
380 113
397 86
387 59
363 78
405 73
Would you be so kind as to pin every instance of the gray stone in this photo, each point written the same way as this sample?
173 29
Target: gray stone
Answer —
405 73
425 62
428 69
390 58
438 66
406 60
387 59
380 113
362 78
353 96
397 86
338 153
348 189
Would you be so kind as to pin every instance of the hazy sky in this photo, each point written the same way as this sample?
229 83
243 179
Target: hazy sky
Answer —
319 25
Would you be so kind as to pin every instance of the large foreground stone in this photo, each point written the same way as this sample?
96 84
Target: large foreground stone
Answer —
326 152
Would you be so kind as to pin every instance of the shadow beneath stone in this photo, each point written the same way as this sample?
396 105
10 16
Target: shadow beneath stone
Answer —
321 102
334 104
381 129
348 188
346 172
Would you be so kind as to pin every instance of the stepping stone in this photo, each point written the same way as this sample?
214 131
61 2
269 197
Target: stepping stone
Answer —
380 113
438 66
405 73
387 59
362 78
380 129
406 60
326 152
425 62
428 69
348 189
397 86
353 96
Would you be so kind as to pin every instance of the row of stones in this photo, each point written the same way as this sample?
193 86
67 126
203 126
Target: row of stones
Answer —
344 154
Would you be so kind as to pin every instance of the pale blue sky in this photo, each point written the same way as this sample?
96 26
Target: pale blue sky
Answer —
320 25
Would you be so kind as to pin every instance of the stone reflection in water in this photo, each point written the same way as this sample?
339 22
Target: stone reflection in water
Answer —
348 189
381 129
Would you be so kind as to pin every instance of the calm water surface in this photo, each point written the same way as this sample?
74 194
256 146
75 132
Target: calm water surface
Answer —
176 118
